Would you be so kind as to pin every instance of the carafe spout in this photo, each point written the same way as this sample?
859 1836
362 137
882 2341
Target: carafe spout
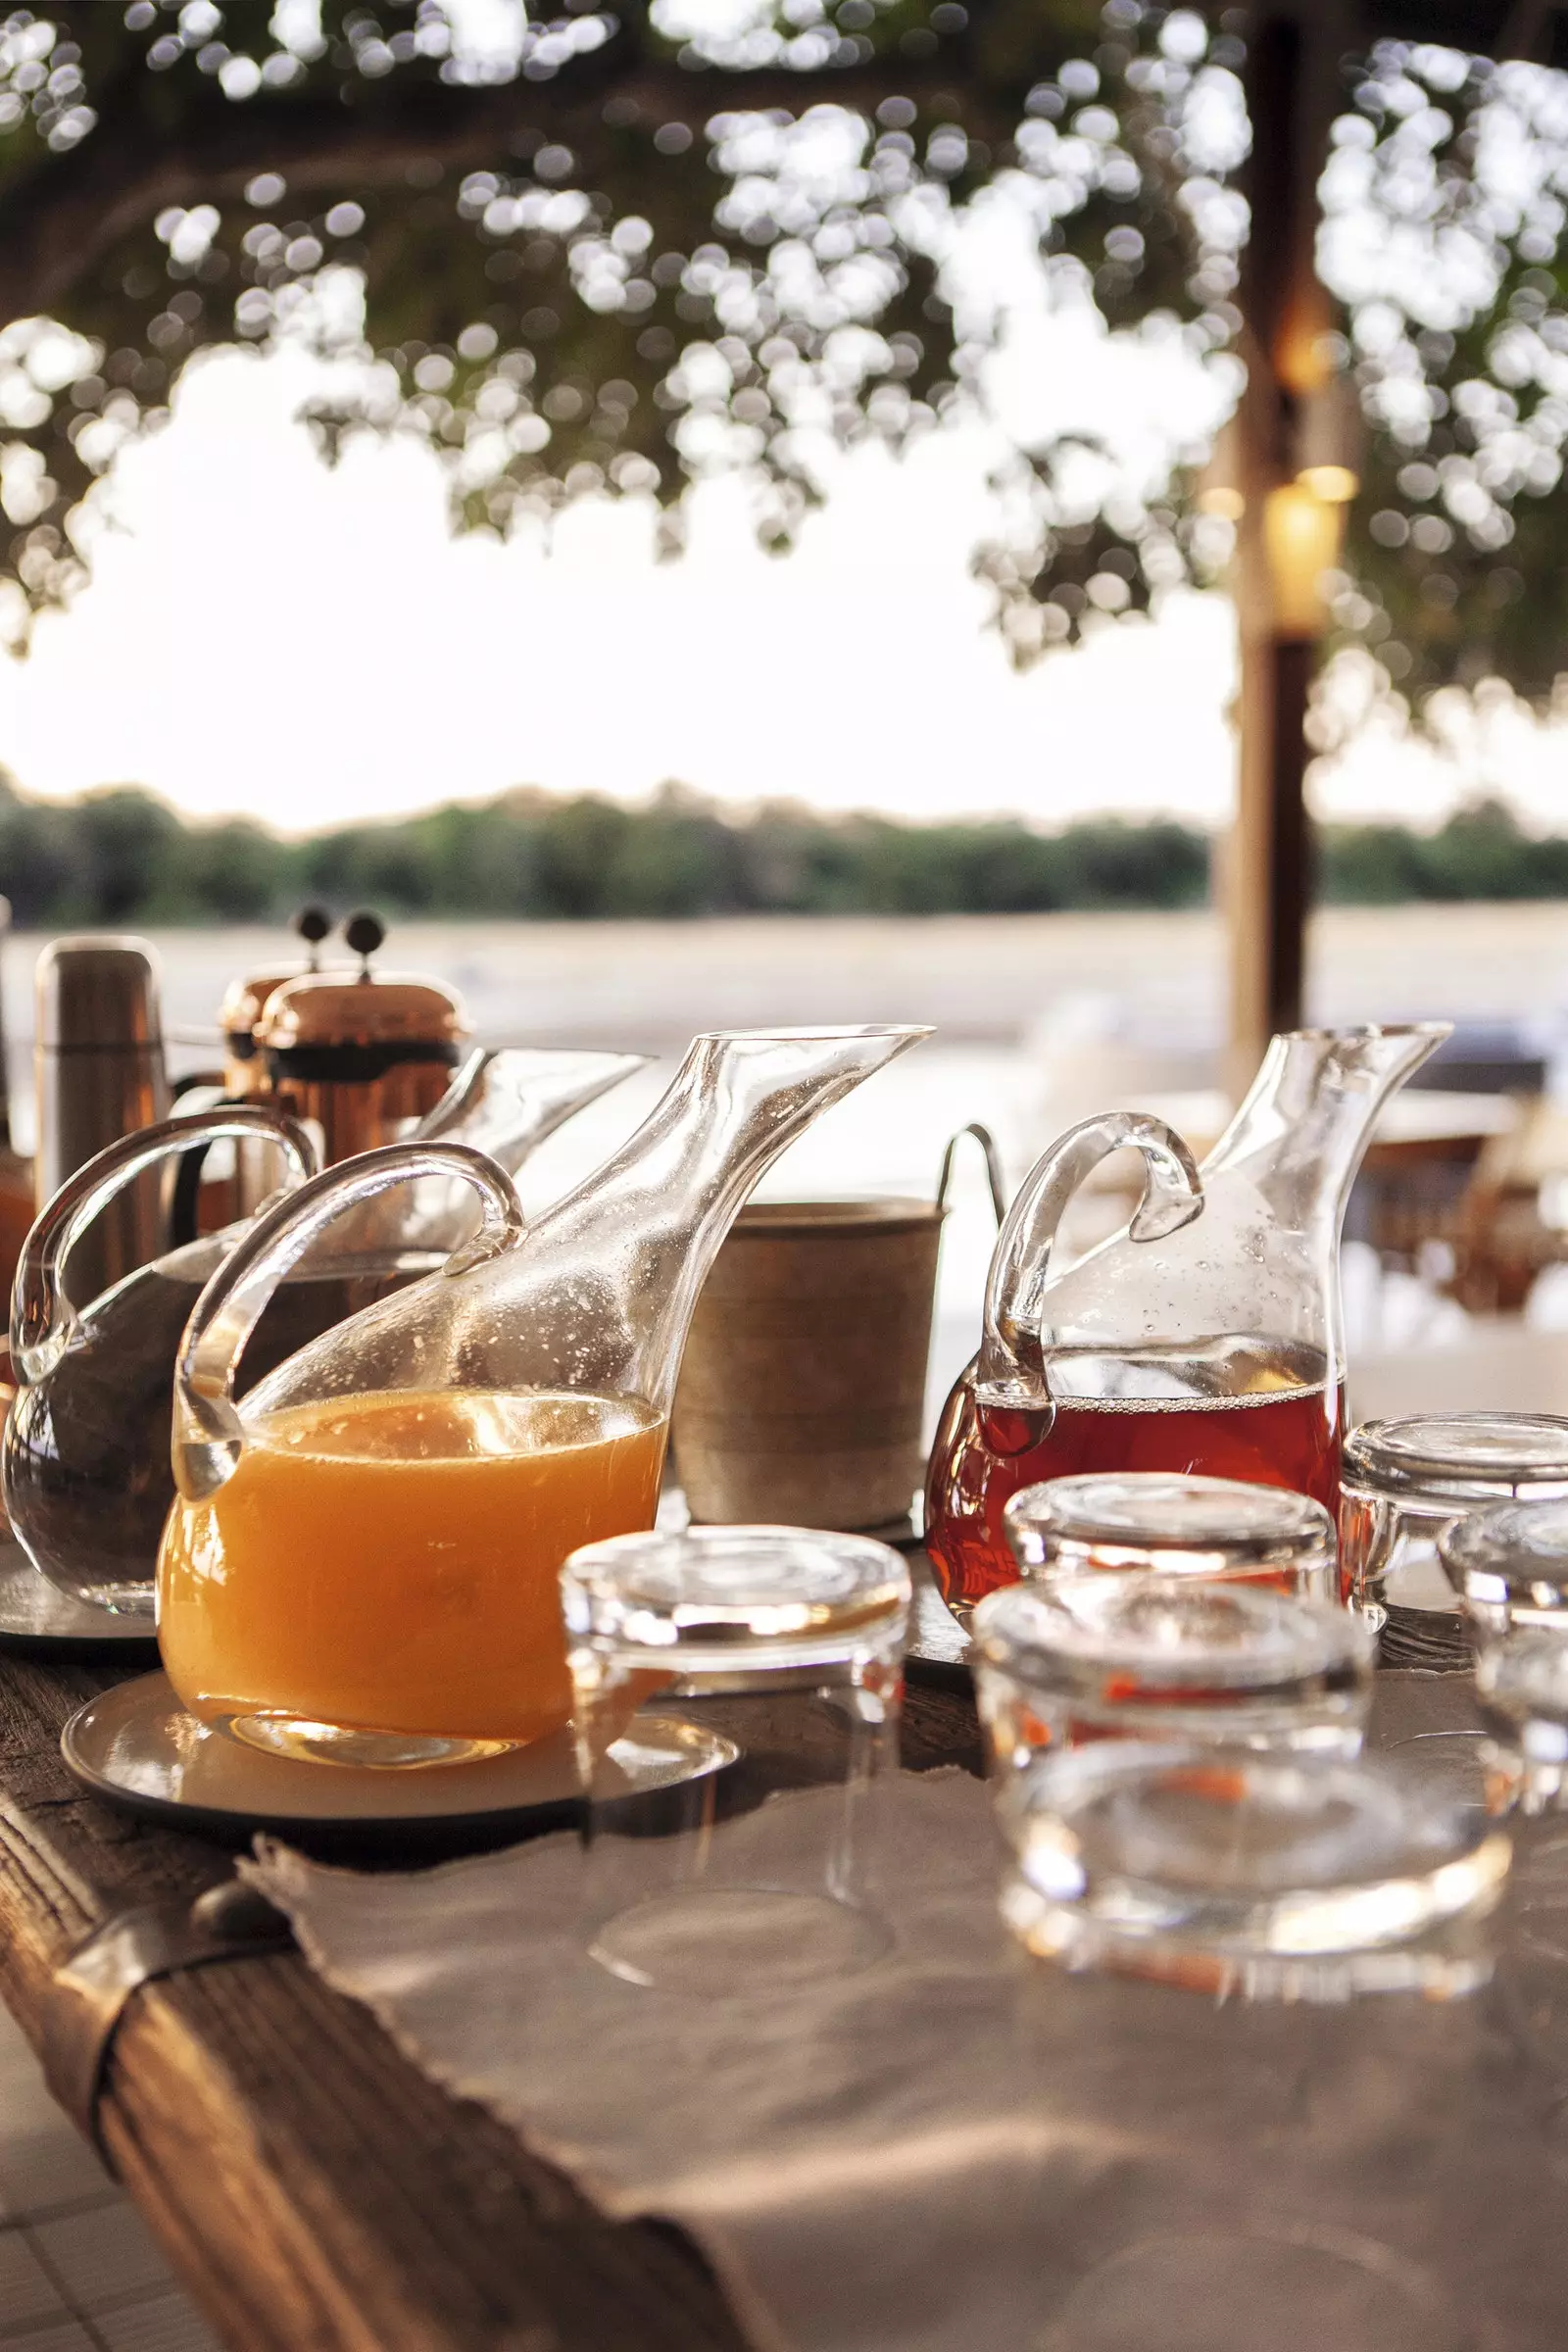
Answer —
659 1210
1301 1131
508 1102
597 1298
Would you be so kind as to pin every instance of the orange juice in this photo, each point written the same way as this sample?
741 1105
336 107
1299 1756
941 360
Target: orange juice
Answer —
387 1564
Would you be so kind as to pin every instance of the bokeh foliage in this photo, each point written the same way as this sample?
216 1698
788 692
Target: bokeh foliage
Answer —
1444 214
584 251
624 252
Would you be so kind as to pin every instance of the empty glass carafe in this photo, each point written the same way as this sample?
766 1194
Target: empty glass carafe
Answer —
363 1561
1204 1337
85 1459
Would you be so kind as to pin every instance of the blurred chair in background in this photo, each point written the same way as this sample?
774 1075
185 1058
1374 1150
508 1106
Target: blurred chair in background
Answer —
1511 1223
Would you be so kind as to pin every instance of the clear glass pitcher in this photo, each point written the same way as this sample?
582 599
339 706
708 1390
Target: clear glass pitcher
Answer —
1206 1336
363 1561
86 1458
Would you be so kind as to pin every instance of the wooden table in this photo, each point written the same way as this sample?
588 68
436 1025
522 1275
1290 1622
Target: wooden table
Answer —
313 2188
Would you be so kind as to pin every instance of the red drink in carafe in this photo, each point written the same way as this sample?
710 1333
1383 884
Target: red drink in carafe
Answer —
1247 1408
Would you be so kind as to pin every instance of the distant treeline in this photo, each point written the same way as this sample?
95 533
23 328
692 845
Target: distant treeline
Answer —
121 856
1481 853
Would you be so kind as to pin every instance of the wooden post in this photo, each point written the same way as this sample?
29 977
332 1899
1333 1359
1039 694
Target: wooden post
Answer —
1267 874
1293 48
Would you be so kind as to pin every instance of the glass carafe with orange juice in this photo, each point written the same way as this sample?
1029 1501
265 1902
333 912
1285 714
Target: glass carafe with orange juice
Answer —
361 1560
86 1458
1204 1337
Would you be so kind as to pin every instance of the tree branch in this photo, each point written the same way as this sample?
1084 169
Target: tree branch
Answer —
75 209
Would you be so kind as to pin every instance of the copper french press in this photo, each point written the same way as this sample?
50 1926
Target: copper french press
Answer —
356 1055
360 1056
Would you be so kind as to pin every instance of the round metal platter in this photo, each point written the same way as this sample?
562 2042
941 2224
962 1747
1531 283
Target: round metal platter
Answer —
138 1748
36 1616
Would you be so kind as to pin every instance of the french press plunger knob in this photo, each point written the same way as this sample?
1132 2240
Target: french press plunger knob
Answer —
364 933
312 924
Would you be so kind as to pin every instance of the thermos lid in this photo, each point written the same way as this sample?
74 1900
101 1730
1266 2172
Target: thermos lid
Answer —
98 990
324 1009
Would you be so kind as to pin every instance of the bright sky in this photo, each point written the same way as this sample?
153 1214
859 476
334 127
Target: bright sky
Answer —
264 635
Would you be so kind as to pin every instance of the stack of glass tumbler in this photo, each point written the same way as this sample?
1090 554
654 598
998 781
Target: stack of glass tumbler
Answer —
1176 1705
1178 1742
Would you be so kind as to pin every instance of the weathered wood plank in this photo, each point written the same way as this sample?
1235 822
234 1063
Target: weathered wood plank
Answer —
319 2191
316 2191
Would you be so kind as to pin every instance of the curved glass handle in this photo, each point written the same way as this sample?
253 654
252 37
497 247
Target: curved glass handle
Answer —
42 1318
209 1435
1010 1368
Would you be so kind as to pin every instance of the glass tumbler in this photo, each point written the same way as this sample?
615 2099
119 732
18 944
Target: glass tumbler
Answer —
1165 1657
787 1646
1406 1482
1509 1566
1216 1528
1268 1875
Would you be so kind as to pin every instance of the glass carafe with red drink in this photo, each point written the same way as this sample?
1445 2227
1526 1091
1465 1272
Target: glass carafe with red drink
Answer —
1204 1337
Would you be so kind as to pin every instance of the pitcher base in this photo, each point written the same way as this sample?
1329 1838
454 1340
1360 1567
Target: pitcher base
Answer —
313 1742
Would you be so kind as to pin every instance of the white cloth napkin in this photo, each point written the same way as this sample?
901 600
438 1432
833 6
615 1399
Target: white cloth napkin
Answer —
958 2151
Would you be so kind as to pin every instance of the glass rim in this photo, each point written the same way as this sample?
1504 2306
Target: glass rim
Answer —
812 1033
1531 1664
1234 1520
1446 1460
1415 1834
1522 1546
1283 1876
842 1217
1090 1619
736 1588
1367 1032
1526 1673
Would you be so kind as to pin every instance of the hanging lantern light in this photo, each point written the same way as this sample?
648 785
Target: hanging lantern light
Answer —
1303 534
